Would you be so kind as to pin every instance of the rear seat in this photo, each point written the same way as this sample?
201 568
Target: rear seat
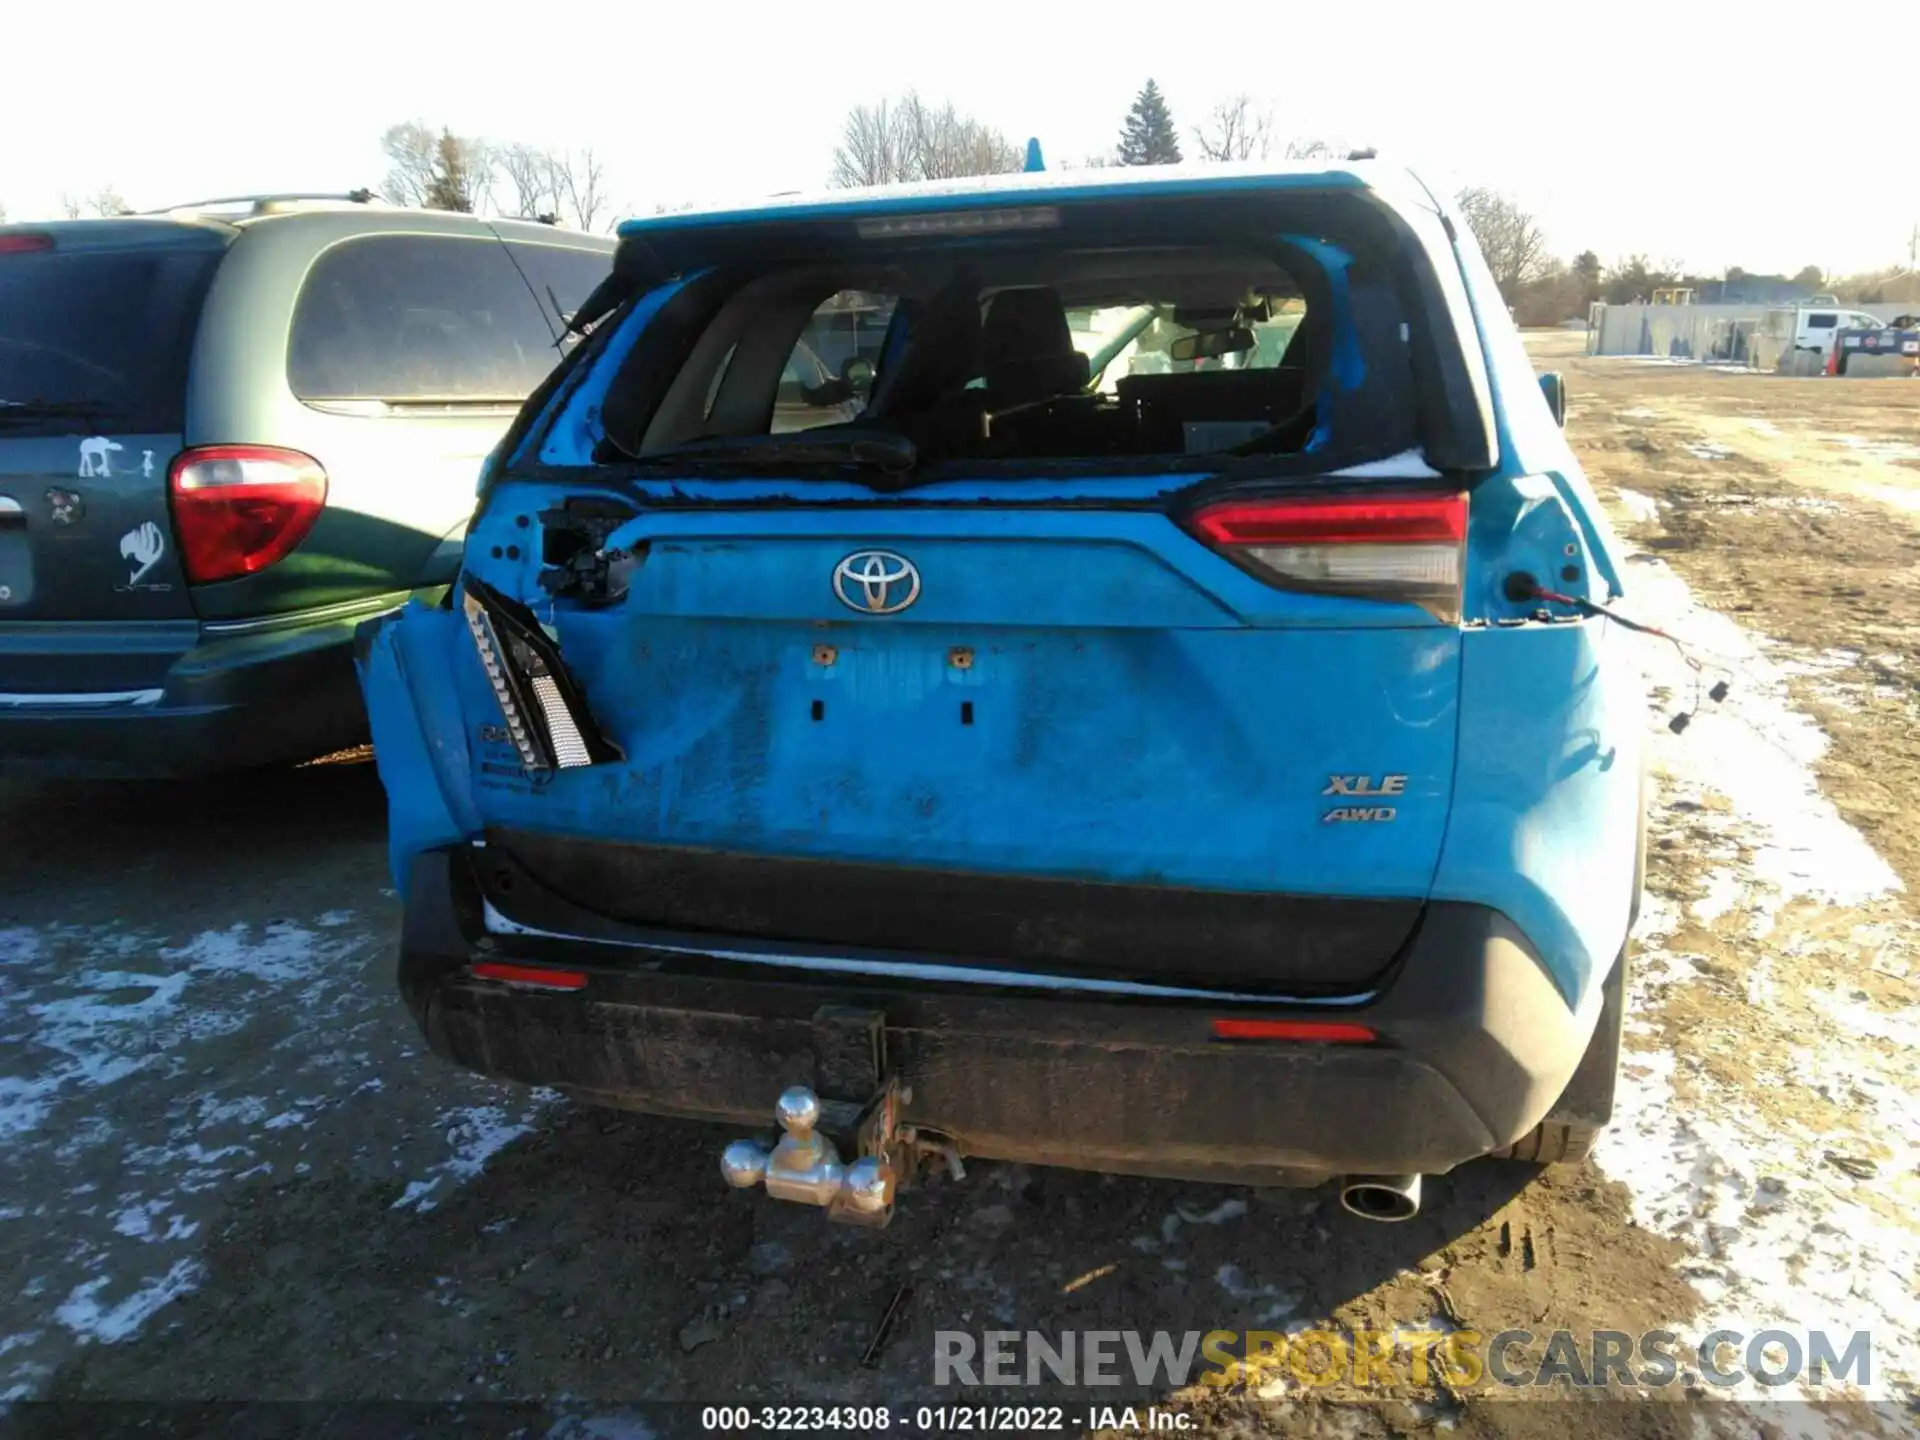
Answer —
1209 409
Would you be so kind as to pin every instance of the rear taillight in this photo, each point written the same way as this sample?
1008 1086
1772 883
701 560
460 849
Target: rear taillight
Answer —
21 244
1406 547
239 508
546 712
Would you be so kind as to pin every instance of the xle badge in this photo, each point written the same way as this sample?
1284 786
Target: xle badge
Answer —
1359 786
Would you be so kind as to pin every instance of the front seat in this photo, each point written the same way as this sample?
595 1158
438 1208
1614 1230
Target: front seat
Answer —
1027 351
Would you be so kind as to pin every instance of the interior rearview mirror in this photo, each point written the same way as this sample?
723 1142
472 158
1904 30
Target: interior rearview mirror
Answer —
1211 344
1555 389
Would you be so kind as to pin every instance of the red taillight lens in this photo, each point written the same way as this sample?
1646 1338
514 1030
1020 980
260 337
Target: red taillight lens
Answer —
1405 547
1325 1032
239 508
19 244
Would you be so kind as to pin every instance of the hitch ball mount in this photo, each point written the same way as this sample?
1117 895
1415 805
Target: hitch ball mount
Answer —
806 1167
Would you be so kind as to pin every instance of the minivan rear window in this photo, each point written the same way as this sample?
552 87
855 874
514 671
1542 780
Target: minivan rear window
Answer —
98 339
419 318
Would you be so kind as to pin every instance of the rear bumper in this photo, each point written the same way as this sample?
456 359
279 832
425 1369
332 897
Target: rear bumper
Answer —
230 701
1476 1043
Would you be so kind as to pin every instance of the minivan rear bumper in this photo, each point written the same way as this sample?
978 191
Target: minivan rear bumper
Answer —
287 692
1475 1043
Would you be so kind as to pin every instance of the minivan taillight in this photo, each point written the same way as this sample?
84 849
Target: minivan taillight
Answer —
239 508
1400 546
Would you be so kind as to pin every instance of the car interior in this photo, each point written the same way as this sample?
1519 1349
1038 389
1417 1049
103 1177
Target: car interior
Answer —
1036 354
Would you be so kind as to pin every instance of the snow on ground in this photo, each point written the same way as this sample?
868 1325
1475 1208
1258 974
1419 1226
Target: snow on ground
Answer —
1781 1237
183 1070
475 1134
1642 509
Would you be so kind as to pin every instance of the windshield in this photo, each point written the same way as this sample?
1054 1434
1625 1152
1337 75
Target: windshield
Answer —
1140 340
98 339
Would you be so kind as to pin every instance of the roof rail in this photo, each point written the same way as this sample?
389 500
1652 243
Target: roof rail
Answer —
266 204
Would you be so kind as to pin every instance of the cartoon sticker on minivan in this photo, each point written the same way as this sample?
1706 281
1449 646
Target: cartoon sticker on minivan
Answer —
143 545
94 452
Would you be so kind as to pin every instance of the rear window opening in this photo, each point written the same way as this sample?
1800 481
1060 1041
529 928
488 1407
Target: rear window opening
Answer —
95 339
1042 352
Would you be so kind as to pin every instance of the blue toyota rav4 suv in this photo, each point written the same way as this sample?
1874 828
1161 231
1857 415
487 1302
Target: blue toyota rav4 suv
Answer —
1113 720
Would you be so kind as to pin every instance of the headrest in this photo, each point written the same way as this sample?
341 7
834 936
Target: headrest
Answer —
1027 349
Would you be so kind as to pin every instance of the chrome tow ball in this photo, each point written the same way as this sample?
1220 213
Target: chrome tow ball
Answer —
806 1168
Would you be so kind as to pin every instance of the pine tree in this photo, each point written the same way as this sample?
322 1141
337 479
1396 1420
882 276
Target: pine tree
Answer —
452 185
1149 136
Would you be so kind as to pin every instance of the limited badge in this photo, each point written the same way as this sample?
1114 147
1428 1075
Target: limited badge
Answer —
65 506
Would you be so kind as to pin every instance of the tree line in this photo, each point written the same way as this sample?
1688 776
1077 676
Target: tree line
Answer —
910 138
445 171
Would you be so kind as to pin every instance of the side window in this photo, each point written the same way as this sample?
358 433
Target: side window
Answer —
828 374
561 276
417 318
1822 322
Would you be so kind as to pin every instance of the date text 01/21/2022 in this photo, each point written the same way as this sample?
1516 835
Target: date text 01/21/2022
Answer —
939 1419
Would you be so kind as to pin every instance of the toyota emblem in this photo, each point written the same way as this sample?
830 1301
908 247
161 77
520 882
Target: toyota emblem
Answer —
876 582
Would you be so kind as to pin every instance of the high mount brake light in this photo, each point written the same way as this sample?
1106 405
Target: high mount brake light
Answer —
239 508
959 222
545 710
1407 547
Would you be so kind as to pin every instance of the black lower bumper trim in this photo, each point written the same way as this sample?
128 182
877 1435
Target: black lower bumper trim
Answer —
1224 939
1475 1044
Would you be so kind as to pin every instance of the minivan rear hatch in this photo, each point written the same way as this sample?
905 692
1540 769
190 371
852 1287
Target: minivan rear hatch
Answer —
97 324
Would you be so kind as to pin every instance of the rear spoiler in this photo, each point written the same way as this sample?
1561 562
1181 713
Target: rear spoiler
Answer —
636 270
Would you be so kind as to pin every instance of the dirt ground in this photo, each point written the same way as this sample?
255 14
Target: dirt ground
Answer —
230 1173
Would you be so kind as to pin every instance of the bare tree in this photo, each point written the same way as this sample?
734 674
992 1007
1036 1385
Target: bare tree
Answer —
1303 147
1511 239
442 170
910 139
1235 132
579 183
412 152
528 172
869 148
555 182
107 201
69 206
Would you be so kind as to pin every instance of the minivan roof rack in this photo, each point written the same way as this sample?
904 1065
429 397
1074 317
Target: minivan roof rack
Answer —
267 204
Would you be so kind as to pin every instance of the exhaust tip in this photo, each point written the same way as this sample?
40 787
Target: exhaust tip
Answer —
1387 1198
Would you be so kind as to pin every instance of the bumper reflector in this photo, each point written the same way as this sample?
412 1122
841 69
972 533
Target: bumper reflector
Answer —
537 976
1326 1032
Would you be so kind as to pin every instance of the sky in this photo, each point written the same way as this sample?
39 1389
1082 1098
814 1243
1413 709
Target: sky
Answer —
1698 131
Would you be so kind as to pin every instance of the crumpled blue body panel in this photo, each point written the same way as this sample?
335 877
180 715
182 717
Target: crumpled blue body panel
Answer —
1131 706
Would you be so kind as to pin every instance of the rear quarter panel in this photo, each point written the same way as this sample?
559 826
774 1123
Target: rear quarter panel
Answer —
1552 715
